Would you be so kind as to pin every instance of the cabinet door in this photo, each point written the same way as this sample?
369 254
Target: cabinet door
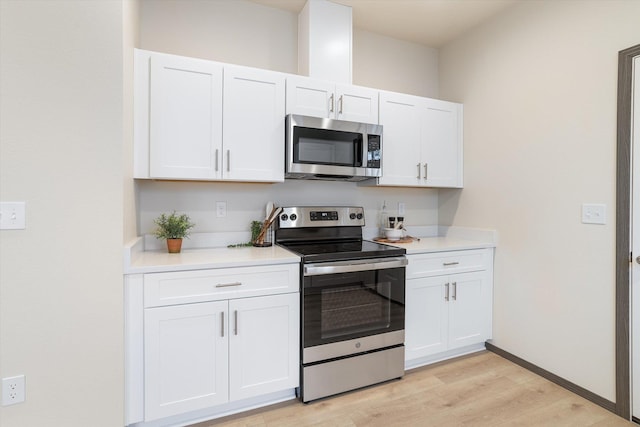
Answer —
186 358
356 104
185 118
467 309
442 144
253 125
401 143
310 97
264 345
426 317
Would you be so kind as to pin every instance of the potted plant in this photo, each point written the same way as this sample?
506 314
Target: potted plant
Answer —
173 228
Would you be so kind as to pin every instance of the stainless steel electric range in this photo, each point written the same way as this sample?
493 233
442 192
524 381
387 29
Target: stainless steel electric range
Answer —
353 295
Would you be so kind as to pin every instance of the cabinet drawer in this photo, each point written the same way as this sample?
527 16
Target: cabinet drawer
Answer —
439 263
210 285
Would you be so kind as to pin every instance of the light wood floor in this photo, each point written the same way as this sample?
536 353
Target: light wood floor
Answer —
478 390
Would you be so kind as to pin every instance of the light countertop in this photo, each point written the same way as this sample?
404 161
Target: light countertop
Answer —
195 259
138 260
442 243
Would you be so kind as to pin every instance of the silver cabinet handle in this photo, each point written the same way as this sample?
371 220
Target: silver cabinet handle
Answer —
222 323
331 104
235 320
340 102
425 171
446 292
226 285
228 160
447 264
216 160
418 165
455 290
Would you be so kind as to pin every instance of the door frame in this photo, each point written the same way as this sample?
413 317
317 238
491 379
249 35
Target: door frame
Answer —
623 231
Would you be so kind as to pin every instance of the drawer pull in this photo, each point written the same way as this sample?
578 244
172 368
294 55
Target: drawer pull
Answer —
448 264
226 285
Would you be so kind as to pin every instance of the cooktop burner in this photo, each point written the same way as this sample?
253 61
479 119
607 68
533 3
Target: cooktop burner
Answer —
320 234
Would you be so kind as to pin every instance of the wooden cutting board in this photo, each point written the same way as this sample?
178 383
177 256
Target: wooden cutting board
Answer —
385 240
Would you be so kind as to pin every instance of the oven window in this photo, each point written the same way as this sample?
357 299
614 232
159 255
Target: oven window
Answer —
353 309
350 305
327 147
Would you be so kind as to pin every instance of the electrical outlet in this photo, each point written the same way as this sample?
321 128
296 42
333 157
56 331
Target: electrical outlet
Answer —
13 390
400 209
221 209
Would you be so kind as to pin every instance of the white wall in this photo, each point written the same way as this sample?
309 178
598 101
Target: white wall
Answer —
245 33
61 310
390 64
538 84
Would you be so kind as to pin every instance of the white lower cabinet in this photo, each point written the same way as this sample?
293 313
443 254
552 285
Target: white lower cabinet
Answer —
209 341
186 358
205 354
448 302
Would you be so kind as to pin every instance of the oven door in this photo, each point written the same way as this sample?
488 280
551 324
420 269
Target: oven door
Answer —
351 307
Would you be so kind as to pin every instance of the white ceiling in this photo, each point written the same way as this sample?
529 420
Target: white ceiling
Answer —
432 23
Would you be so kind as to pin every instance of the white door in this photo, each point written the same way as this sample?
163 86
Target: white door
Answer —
467 309
400 118
253 125
426 317
635 271
185 118
185 358
263 345
356 104
310 97
442 144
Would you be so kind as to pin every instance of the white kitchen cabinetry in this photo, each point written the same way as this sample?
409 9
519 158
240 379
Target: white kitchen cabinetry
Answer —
318 98
449 303
184 130
422 142
253 125
186 358
213 338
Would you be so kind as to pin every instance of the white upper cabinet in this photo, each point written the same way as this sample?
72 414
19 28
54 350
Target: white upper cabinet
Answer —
319 98
422 141
253 124
184 113
184 130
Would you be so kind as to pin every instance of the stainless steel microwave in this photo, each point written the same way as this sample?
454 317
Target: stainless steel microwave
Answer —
330 149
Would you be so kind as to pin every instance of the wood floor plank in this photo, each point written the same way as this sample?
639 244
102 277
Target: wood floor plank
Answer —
482 389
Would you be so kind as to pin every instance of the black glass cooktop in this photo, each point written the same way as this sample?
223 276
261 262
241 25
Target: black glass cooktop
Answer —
342 250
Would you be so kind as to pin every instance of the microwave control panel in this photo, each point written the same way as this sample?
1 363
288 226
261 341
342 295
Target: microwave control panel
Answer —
373 151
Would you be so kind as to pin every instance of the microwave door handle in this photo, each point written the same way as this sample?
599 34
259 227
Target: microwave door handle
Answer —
358 146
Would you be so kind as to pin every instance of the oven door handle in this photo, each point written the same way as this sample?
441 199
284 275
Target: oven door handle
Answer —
353 266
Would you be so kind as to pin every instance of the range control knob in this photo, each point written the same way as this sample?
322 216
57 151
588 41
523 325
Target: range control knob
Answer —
293 217
352 215
284 217
359 216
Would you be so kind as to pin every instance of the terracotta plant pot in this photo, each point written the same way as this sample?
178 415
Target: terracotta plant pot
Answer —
174 245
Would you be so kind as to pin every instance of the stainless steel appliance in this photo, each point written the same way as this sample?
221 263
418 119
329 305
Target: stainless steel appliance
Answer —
332 149
353 295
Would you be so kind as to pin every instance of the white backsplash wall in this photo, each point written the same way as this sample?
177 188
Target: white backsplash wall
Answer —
247 202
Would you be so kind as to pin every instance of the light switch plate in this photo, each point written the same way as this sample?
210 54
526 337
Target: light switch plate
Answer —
594 213
12 216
